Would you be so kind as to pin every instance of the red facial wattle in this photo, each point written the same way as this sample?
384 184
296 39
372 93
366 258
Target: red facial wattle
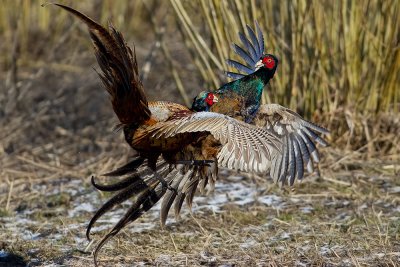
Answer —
268 62
210 99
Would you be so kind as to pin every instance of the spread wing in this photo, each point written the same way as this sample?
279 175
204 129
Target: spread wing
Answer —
252 51
243 146
299 138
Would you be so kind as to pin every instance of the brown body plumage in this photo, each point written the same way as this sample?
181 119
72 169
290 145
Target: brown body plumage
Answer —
178 150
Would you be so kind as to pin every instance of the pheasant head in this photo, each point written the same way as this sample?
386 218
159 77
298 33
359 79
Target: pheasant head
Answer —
269 62
204 101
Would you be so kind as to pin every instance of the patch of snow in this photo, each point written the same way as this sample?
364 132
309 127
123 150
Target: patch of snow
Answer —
295 200
347 262
216 200
304 248
302 264
249 243
163 259
28 235
394 190
82 207
362 207
235 178
324 250
139 227
71 191
80 241
270 200
285 236
33 251
205 255
342 217
307 209
100 228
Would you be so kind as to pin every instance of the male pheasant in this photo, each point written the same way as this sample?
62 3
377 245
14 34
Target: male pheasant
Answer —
241 98
167 136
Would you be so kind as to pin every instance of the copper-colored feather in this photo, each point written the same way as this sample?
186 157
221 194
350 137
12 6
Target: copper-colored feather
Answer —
179 150
119 71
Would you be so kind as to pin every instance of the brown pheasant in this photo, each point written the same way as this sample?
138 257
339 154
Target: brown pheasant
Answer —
178 150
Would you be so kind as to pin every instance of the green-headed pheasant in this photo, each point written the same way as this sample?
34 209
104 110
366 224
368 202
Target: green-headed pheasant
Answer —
241 98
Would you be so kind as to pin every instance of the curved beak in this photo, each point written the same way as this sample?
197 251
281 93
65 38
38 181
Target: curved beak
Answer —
215 99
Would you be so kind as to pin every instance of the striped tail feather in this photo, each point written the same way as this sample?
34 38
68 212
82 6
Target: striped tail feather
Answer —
146 186
119 71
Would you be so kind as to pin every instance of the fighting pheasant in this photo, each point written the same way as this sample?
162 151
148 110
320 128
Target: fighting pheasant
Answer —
241 99
178 149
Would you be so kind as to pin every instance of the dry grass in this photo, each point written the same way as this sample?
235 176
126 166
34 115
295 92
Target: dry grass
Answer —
340 61
56 131
334 54
349 218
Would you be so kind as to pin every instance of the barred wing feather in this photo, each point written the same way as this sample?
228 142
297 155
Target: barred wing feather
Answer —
244 147
298 137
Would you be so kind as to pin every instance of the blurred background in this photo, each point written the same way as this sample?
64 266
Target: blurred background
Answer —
339 66
340 62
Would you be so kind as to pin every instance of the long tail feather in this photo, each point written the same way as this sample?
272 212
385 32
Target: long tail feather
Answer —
119 71
115 200
127 168
116 186
179 183
144 201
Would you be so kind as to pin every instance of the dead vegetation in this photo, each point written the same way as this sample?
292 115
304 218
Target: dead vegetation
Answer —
56 131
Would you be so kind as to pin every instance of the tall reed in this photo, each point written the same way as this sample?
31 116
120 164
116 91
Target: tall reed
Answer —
334 54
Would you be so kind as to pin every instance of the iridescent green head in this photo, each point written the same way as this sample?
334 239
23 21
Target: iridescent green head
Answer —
204 101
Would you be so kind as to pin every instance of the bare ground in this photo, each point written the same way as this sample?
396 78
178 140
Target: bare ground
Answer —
347 218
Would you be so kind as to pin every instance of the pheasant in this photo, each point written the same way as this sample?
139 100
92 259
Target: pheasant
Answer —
178 149
243 96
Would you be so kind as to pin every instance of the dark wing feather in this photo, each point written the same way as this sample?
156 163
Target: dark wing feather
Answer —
248 45
243 146
234 75
244 54
239 66
253 37
252 51
260 37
